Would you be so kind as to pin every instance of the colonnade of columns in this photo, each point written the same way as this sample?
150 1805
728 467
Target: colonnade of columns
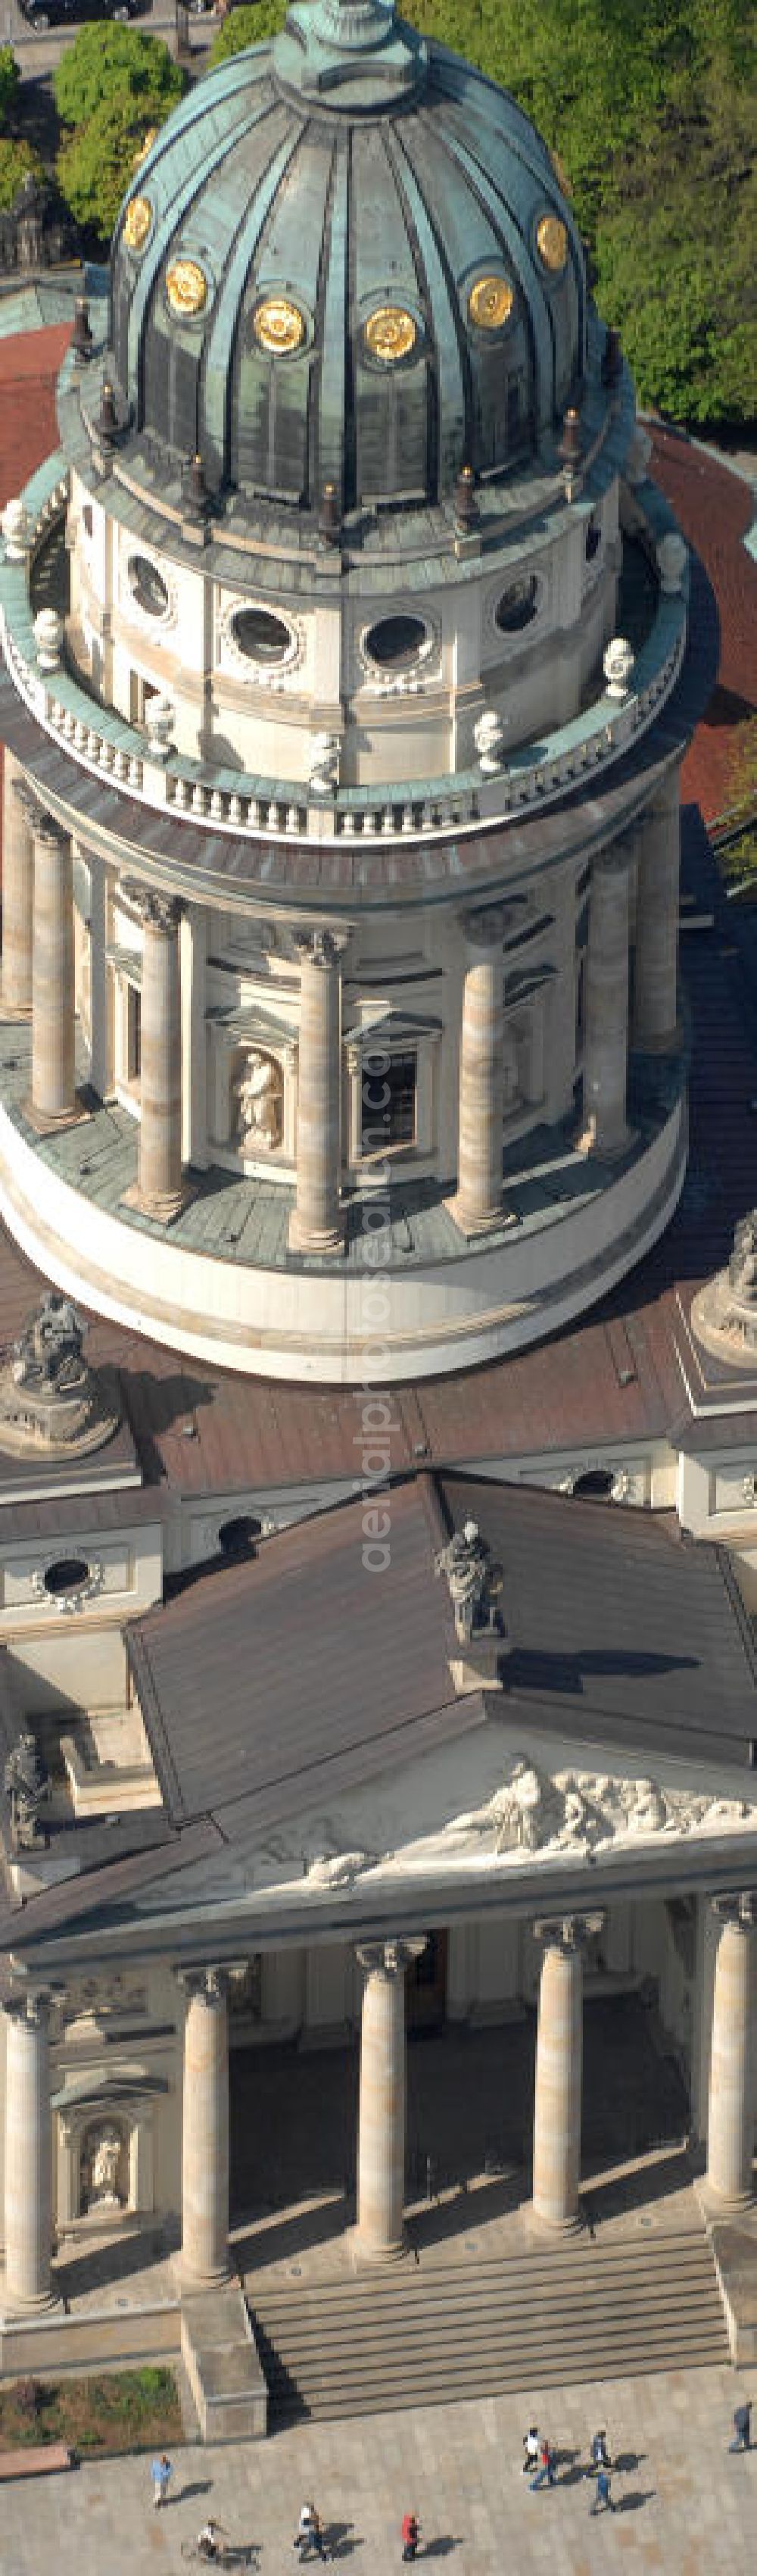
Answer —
38 980
382 2112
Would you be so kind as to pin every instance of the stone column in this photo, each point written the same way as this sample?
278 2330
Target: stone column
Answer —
160 1191
730 2141
28 2156
205 2134
557 2105
381 2129
18 890
53 1098
606 1129
477 1204
655 981
316 1223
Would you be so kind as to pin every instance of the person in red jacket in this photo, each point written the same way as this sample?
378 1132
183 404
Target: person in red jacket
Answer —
411 2532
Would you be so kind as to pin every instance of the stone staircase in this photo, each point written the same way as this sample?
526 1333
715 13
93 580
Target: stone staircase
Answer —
426 2334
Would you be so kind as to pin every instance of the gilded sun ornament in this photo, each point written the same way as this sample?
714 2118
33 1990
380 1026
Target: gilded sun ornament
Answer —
137 223
279 326
186 287
390 333
150 138
490 303
552 243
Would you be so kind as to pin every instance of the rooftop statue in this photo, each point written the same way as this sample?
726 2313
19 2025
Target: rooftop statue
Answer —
472 1579
50 1400
724 1313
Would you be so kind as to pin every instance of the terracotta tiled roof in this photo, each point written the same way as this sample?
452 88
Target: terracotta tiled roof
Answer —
715 509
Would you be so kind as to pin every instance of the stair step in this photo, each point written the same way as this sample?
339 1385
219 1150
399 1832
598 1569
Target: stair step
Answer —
450 2331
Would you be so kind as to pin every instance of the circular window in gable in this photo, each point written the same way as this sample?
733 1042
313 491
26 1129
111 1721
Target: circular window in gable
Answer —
260 636
518 605
68 1574
595 1486
395 642
147 586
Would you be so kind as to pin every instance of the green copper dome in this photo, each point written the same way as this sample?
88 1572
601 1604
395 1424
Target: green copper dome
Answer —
346 260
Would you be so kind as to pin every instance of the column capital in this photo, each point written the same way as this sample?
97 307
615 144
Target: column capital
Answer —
211 1981
566 1932
158 911
484 925
737 1906
34 2007
316 947
47 828
616 861
391 1958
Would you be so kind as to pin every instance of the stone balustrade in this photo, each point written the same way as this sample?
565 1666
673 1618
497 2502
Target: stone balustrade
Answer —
104 742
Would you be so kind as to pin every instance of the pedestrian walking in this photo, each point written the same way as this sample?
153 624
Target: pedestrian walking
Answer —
546 2468
411 2532
161 2473
599 2457
742 2428
602 2502
530 2448
308 2534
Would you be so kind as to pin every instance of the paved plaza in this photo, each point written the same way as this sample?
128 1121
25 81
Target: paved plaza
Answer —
682 2504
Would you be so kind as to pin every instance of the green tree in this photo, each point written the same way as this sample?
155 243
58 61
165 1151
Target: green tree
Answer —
94 165
112 87
650 105
9 83
16 161
105 62
246 26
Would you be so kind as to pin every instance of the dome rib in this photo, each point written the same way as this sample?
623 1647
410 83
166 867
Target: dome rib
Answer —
219 353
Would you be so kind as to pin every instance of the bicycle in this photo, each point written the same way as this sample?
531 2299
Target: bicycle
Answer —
223 2556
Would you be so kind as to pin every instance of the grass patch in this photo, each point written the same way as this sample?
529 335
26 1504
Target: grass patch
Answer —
120 2410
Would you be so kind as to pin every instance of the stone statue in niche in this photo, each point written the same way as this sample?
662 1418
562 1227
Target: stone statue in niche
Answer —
258 1093
102 2163
27 1785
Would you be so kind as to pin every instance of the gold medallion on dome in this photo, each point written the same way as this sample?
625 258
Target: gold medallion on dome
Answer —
144 148
490 303
390 333
279 326
137 223
552 243
186 288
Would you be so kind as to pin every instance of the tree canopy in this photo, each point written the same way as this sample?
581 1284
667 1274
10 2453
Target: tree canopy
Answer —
107 61
649 108
17 159
112 86
247 26
9 83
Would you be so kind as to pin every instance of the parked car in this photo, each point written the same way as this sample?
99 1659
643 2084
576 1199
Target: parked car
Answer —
41 14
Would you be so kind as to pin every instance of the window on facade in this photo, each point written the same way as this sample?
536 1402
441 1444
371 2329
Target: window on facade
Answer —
133 1033
517 605
394 642
592 540
596 1486
148 586
387 1104
260 636
68 1574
